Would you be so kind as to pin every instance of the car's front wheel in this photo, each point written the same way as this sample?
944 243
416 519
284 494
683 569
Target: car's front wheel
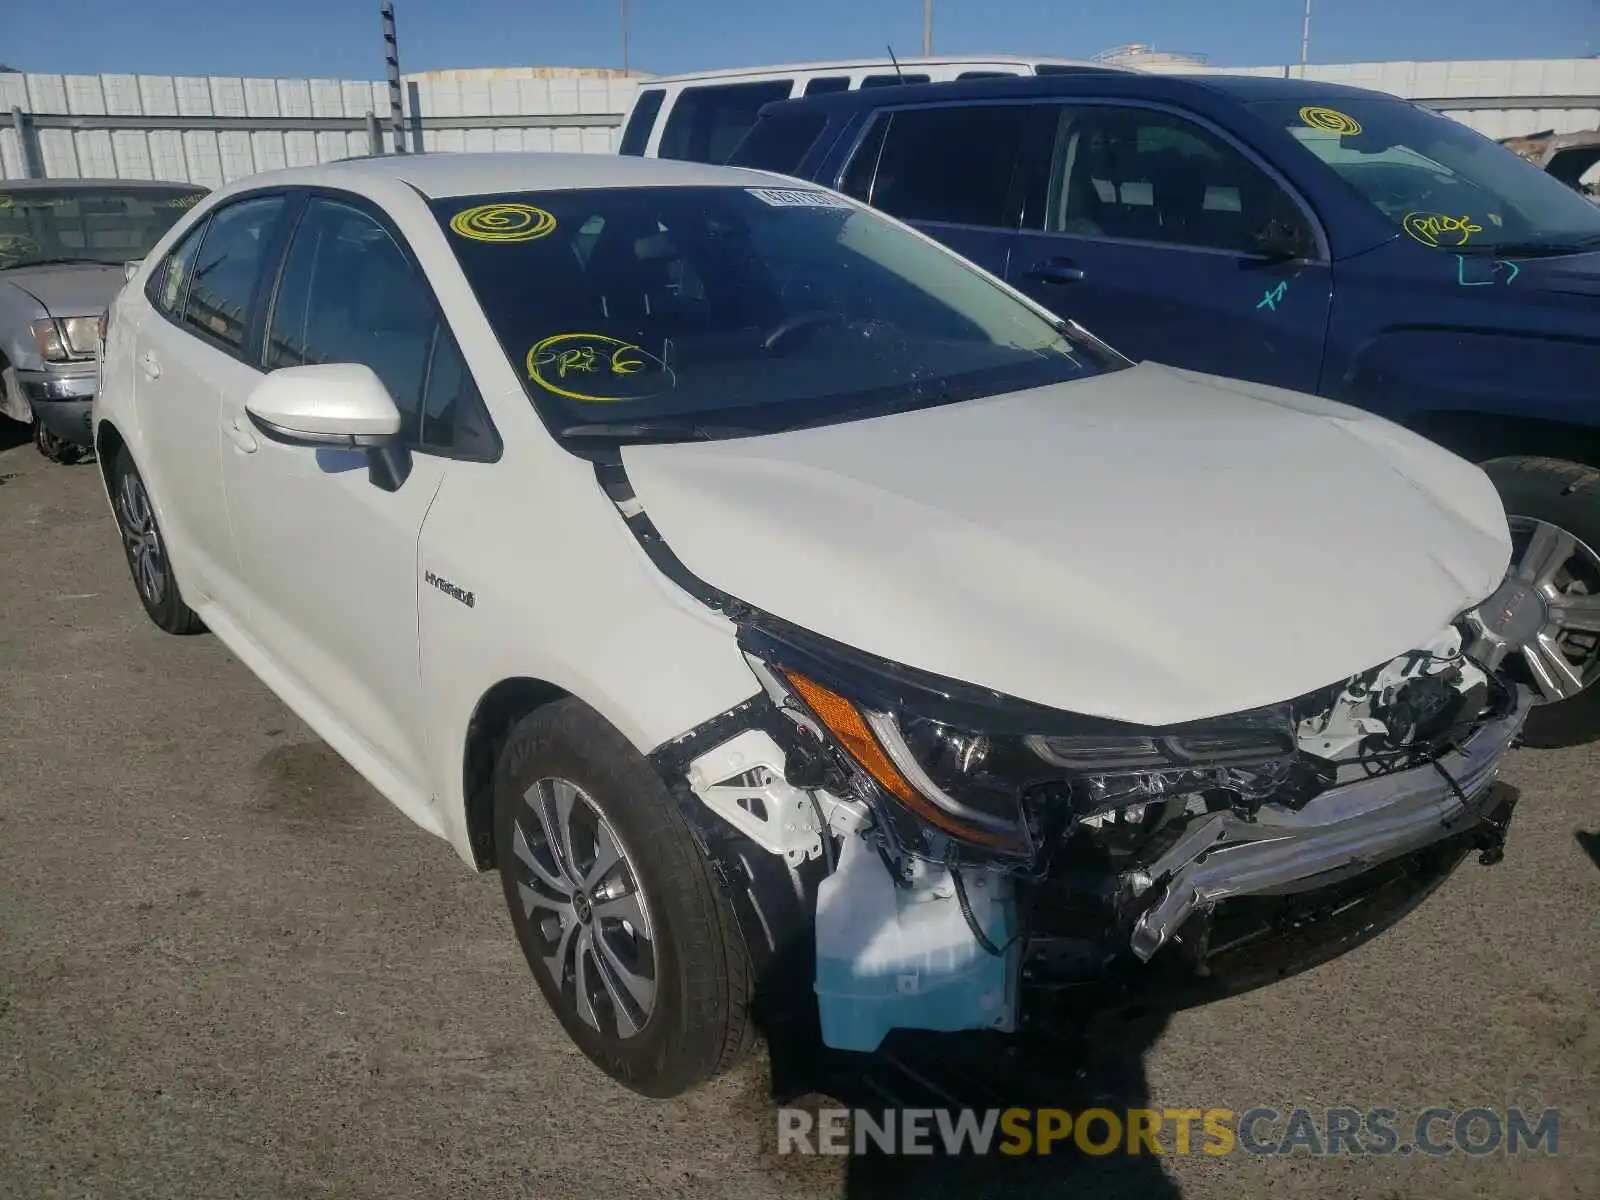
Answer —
627 933
1553 508
146 550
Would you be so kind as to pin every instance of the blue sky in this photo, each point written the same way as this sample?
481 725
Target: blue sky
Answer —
341 37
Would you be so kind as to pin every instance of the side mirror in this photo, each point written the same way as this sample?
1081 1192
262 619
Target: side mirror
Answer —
333 404
340 405
1285 242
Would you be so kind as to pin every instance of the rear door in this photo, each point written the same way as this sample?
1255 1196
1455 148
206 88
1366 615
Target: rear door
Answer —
946 169
190 351
1149 227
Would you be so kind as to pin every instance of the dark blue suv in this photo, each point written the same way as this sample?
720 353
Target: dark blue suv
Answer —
1315 237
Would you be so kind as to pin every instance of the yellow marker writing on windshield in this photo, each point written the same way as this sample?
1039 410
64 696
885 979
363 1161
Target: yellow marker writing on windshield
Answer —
502 223
1330 120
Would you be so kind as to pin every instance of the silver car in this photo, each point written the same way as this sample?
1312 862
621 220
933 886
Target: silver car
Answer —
63 245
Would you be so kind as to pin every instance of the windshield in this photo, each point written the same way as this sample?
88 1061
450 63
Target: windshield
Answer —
656 313
1439 182
87 224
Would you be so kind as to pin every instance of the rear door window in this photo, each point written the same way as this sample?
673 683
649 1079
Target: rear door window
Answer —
707 123
223 287
951 164
779 141
640 122
171 278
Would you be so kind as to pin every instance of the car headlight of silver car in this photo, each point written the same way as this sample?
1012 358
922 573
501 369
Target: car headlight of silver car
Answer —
978 773
62 338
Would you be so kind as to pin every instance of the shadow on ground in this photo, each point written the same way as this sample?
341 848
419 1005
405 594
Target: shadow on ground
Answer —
1103 1068
13 433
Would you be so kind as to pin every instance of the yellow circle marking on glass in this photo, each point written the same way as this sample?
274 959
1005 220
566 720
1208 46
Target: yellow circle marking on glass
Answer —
1330 120
564 361
502 223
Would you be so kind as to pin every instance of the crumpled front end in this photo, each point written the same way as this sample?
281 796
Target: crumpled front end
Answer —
970 854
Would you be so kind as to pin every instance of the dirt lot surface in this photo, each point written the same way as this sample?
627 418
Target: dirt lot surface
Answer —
229 968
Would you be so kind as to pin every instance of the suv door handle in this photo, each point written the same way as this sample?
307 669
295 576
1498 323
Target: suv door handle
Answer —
1056 270
149 364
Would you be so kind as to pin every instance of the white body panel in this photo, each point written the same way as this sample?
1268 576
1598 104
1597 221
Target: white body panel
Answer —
1030 542
1149 545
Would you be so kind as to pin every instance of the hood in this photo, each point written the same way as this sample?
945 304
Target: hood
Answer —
68 290
1149 545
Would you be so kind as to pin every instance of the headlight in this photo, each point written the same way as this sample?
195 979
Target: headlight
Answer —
47 336
997 790
82 333
68 338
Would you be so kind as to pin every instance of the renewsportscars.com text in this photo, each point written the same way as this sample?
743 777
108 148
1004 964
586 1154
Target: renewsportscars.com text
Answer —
1096 1131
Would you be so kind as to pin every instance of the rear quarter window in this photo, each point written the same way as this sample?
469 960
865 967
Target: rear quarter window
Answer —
636 136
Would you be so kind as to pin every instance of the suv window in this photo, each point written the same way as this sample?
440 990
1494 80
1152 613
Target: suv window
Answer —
172 277
778 141
228 266
872 81
643 118
940 164
823 84
1143 175
706 123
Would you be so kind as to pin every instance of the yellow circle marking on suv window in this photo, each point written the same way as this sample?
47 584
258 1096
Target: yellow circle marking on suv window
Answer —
1330 120
598 369
502 223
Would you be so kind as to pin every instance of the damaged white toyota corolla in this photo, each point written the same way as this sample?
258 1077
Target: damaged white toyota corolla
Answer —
794 614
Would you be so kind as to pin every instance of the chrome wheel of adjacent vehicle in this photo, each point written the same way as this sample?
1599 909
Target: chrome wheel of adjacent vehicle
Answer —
142 540
581 896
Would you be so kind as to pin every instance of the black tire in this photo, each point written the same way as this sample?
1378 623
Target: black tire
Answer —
56 449
699 1022
153 579
1567 495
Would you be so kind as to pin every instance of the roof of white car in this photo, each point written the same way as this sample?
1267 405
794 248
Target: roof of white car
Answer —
450 174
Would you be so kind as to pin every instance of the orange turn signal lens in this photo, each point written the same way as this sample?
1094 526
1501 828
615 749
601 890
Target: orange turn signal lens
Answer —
845 722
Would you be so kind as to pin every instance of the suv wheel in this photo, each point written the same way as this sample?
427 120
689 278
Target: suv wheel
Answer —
56 449
626 932
147 550
1553 507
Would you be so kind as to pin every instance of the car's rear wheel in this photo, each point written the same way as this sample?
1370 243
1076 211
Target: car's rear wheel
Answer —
1553 508
146 550
627 934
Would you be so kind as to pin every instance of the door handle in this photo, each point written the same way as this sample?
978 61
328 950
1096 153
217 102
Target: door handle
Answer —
150 365
240 435
1055 270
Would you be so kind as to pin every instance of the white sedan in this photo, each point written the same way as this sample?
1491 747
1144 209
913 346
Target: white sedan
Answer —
794 614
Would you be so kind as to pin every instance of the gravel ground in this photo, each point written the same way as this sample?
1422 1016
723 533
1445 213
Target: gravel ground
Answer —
229 968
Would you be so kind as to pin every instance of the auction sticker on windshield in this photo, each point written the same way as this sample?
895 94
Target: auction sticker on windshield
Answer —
597 368
797 198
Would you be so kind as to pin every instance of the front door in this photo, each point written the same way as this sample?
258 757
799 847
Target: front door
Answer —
331 558
1148 228
947 170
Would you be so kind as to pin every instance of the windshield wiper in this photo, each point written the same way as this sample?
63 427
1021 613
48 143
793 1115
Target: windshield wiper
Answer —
654 431
1532 249
57 262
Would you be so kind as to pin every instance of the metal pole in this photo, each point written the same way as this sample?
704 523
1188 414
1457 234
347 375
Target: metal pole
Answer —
927 28
624 4
391 57
1305 40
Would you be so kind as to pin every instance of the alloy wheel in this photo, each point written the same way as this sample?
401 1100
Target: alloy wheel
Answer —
142 539
1545 619
581 897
